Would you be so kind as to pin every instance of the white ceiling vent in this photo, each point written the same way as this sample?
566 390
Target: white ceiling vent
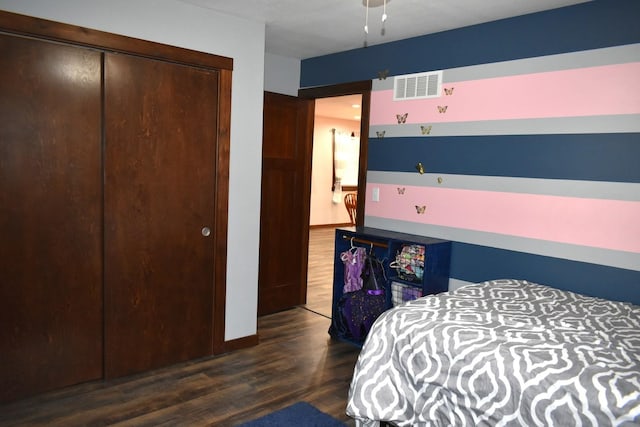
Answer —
415 86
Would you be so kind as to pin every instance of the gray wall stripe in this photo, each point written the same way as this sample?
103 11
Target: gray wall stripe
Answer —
457 283
564 61
627 191
612 258
622 123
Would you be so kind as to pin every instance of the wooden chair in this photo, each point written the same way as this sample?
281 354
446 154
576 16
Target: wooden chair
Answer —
351 203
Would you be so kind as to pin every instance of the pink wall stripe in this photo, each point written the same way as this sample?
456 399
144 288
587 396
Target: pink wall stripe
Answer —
605 90
608 224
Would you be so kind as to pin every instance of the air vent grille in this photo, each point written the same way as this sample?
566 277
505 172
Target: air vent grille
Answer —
415 86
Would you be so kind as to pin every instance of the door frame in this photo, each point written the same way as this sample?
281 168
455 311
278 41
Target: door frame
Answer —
363 88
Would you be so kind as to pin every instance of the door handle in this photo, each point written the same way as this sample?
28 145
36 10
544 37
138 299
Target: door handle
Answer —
206 231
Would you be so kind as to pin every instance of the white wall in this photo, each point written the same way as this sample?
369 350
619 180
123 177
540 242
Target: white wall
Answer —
281 74
323 210
180 24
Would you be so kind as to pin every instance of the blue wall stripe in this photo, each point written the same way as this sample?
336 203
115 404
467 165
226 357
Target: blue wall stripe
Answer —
591 25
564 61
473 263
553 187
598 157
608 257
623 123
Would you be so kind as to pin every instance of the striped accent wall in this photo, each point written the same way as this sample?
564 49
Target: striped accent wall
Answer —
533 161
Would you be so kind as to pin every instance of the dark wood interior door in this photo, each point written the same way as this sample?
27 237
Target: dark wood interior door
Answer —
160 133
50 216
284 207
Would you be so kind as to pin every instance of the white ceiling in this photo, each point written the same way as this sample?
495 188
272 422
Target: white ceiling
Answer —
346 107
307 28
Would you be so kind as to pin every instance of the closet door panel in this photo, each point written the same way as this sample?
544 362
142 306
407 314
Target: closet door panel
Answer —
50 216
160 133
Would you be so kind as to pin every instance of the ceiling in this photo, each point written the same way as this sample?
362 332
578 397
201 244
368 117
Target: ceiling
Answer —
307 28
346 107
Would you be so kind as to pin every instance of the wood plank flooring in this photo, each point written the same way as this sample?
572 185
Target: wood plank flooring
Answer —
320 270
295 361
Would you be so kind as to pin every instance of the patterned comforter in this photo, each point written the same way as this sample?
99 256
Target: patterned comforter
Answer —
501 353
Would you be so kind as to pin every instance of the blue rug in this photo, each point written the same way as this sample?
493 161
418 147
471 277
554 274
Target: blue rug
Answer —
300 414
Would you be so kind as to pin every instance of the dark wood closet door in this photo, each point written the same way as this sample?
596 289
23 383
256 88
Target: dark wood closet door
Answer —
50 216
284 208
160 133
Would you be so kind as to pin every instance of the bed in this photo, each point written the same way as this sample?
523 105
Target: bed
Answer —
504 352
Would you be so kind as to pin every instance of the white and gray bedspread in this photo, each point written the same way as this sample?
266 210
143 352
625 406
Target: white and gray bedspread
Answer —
505 352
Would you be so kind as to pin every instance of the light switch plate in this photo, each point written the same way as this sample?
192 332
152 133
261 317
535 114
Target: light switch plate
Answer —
375 194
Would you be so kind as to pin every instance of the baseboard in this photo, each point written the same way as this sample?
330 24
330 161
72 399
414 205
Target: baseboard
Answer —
240 343
345 224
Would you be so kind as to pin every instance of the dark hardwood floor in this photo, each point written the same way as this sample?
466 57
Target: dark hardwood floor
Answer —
295 361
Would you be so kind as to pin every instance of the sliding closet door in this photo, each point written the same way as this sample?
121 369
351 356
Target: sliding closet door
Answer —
160 133
50 216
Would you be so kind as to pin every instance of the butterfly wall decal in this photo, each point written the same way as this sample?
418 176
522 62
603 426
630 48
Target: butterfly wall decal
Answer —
402 118
426 130
448 91
420 209
442 109
380 133
401 190
382 75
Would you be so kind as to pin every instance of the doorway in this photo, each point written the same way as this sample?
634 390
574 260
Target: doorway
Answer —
341 100
334 173
336 155
286 191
